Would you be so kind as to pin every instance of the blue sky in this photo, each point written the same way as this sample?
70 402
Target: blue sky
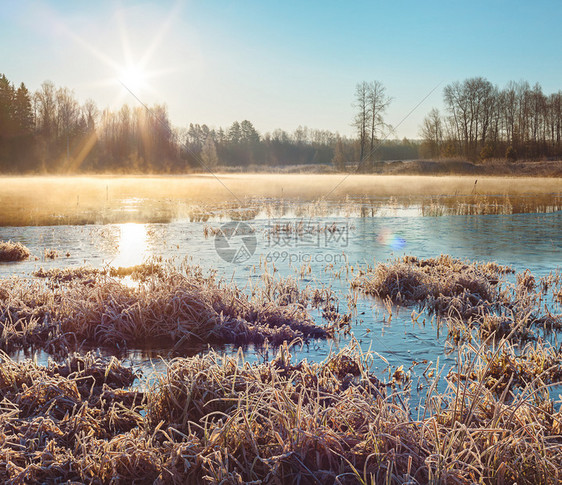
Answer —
279 64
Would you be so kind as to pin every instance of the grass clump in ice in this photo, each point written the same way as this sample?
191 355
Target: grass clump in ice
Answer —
467 294
10 251
164 305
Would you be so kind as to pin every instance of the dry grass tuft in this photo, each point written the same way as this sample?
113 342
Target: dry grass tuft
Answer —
168 307
469 295
410 280
221 420
508 367
50 254
10 251
63 275
140 272
52 415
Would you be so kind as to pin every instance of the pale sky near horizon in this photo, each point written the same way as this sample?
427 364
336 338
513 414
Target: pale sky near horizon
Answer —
278 64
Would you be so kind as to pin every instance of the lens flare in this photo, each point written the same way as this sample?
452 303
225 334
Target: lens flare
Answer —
388 238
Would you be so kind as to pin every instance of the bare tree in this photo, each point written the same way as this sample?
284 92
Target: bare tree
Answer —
470 105
45 108
209 154
371 103
67 114
378 103
91 113
362 117
431 132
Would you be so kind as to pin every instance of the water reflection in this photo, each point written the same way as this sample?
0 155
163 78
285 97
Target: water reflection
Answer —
132 245
158 210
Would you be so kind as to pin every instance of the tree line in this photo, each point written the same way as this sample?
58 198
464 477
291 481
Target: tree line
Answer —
50 131
483 121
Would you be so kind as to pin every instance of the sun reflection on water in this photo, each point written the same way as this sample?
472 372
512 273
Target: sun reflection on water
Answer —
132 245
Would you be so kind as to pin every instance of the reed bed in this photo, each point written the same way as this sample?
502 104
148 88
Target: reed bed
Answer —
410 280
10 251
171 307
480 204
62 275
467 294
219 419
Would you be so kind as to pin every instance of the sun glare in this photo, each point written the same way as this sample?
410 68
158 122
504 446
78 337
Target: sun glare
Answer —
132 245
133 78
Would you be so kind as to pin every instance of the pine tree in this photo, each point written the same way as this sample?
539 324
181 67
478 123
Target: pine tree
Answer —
23 112
7 126
248 133
24 126
6 108
235 133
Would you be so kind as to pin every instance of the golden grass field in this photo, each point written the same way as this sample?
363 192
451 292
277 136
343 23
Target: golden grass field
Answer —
71 199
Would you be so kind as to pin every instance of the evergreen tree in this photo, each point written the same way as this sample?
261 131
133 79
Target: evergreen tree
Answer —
7 123
248 133
23 111
24 140
235 133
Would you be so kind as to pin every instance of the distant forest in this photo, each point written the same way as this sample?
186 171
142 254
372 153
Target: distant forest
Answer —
484 122
50 131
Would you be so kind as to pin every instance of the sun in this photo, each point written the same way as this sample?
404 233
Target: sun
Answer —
133 78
